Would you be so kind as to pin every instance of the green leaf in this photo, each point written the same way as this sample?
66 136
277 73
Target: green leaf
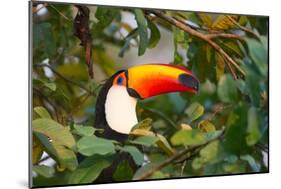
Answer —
253 131
231 47
42 112
123 172
106 15
43 38
37 150
143 169
210 152
144 124
179 36
212 134
163 144
51 86
194 111
206 19
46 83
259 54
220 65
207 155
154 35
252 162
64 156
74 71
135 153
227 90
128 39
145 140
90 145
177 58
83 130
252 85
44 170
107 64
206 126
235 133
89 169
142 30
187 137
223 23
54 131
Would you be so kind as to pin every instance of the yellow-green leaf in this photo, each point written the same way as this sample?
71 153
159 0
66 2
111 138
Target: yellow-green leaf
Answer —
55 131
219 66
107 64
143 125
163 144
76 71
206 19
37 150
206 126
223 23
42 112
188 137
194 111
44 170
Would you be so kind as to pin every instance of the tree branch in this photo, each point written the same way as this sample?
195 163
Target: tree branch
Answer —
181 25
60 13
242 27
224 35
176 157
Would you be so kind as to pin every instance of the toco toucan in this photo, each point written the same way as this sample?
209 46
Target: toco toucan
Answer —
116 103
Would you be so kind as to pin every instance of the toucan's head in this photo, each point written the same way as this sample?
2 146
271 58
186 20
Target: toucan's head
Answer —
140 82
149 80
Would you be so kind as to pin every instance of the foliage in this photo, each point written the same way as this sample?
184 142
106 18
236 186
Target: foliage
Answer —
227 121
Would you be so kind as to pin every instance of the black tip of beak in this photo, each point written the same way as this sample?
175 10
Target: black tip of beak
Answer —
189 81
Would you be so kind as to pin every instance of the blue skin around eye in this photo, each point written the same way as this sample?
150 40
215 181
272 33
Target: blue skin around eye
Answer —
120 81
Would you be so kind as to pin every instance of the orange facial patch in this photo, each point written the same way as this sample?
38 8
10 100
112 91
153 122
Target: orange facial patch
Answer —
120 80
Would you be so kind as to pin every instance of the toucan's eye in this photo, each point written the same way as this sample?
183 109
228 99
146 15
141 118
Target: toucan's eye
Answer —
120 80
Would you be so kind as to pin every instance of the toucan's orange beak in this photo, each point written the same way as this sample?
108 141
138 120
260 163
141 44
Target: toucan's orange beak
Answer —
154 79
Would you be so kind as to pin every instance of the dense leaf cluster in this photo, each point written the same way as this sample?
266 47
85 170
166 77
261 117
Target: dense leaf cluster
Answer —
227 121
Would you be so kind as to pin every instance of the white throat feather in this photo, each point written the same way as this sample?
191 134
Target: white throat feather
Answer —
120 110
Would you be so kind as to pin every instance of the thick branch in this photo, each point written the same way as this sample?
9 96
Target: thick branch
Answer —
176 157
181 25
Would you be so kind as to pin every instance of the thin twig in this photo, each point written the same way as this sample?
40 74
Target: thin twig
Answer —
67 79
224 35
173 158
39 93
43 159
181 25
161 115
78 107
242 27
262 147
60 13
